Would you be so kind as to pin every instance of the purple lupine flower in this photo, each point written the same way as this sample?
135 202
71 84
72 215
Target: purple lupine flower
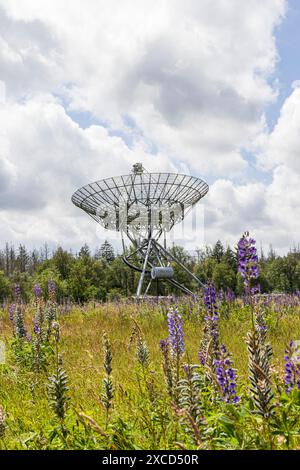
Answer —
12 310
248 260
211 319
51 287
36 329
17 291
166 364
176 338
211 328
230 296
37 290
292 367
19 324
202 357
52 290
210 300
163 344
226 376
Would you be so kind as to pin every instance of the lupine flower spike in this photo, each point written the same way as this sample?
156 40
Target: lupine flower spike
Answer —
226 376
17 315
176 342
209 347
58 382
292 367
167 364
248 266
108 389
2 422
51 308
259 351
176 338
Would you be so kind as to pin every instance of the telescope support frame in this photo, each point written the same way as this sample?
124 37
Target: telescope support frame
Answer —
149 252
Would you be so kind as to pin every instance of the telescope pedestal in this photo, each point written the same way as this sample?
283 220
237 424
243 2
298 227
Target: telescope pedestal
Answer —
151 254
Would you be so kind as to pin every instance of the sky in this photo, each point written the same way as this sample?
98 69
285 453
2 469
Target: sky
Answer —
208 88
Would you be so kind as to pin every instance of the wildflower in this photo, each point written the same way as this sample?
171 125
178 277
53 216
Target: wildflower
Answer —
142 351
17 291
210 297
37 291
108 389
209 347
230 296
19 325
58 383
202 357
51 309
226 376
12 310
2 422
248 260
176 346
37 346
57 391
292 367
259 354
56 331
259 351
190 388
107 354
213 315
167 366
176 338
52 291
248 267
39 317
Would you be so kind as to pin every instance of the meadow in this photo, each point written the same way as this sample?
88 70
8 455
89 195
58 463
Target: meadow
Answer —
97 376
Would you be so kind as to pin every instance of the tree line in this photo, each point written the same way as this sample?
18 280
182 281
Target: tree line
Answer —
102 275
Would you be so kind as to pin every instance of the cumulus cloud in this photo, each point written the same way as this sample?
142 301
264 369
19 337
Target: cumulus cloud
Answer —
282 145
30 56
186 82
46 156
192 75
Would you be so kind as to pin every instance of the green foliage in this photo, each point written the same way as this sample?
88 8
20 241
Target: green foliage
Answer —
283 274
62 261
58 392
106 252
223 277
50 273
104 276
5 287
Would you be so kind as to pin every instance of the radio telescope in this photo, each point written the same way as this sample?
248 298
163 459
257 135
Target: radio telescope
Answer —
143 207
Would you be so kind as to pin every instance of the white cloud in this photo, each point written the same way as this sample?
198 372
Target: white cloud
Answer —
192 75
282 145
44 163
194 78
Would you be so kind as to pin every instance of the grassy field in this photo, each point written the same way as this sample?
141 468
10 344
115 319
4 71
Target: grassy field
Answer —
141 414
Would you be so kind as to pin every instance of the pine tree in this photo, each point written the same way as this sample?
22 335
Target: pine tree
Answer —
218 251
22 259
106 252
84 252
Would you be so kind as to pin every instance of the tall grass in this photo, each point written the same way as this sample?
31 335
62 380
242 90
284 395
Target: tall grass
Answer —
140 412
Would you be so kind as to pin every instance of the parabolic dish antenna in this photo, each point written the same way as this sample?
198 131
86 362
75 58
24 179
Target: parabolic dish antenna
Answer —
144 206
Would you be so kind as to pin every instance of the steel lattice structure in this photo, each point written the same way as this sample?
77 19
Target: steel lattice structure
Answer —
143 206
